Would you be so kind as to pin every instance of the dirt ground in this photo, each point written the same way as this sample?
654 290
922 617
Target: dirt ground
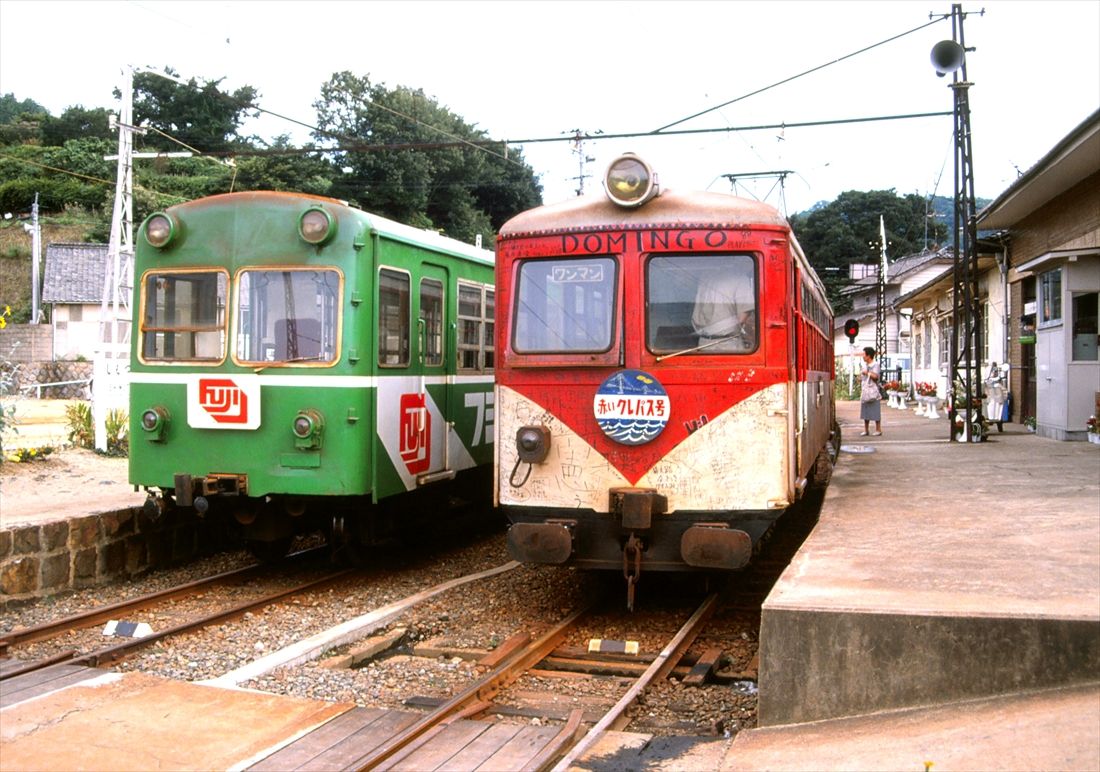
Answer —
69 482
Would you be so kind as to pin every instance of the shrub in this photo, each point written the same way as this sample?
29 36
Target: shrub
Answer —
81 431
117 424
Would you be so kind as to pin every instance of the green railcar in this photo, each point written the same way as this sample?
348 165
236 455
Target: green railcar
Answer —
299 363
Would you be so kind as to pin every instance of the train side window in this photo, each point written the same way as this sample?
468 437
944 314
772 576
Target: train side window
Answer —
184 316
476 312
703 302
287 316
564 305
393 318
431 314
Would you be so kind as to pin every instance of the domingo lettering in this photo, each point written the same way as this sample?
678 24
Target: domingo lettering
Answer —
641 241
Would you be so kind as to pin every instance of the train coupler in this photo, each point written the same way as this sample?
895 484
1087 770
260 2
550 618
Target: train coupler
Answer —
194 492
636 507
632 568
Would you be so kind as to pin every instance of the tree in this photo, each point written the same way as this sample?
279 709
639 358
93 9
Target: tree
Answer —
77 123
285 168
447 178
202 117
846 232
11 108
20 121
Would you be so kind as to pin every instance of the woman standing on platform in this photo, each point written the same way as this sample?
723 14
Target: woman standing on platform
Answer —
870 397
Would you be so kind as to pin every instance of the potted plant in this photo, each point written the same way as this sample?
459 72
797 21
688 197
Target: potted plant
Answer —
1029 423
1093 430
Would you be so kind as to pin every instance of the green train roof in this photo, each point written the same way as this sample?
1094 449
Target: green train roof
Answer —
381 225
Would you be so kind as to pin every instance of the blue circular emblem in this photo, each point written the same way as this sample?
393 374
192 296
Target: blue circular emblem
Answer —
631 407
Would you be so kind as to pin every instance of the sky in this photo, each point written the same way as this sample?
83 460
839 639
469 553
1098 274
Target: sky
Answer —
530 69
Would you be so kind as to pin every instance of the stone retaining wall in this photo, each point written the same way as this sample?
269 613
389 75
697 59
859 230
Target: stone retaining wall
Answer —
45 559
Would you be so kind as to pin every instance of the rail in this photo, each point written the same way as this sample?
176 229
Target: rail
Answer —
37 387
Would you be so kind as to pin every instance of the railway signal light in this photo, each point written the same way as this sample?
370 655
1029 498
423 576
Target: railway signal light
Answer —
851 329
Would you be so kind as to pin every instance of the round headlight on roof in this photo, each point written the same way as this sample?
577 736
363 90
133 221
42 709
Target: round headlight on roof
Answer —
630 181
160 229
316 226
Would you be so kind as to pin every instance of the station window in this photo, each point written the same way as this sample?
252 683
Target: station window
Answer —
393 318
705 303
1085 328
476 329
287 316
183 316
564 305
1050 297
947 332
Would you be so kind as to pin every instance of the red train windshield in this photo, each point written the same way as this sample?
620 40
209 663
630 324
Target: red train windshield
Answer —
701 302
565 305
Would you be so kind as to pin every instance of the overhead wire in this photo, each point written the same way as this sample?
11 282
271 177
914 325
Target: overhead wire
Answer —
796 77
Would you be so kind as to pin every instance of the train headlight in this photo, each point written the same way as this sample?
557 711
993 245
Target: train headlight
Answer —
307 428
630 181
533 444
154 422
316 226
160 229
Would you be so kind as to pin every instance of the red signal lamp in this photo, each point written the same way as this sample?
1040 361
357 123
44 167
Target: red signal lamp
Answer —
851 329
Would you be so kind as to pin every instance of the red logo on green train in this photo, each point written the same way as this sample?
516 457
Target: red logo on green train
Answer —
415 433
223 400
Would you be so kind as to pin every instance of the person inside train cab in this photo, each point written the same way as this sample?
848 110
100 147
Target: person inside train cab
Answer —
723 313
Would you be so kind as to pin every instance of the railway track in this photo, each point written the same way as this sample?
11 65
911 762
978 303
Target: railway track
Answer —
443 732
56 629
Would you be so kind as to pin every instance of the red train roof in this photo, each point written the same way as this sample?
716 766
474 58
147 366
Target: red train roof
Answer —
589 213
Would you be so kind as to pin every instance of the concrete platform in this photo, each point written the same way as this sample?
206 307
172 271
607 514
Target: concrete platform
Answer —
1051 730
135 721
938 572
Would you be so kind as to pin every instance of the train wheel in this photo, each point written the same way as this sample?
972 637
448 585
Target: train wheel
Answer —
344 546
269 551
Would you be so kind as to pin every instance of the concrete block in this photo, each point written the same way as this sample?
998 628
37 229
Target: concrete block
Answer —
84 565
54 536
26 540
819 665
55 572
19 576
83 532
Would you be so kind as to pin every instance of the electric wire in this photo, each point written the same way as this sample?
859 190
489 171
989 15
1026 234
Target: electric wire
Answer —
796 77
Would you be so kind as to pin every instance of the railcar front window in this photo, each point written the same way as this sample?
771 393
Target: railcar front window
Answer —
287 316
705 304
183 317
564 305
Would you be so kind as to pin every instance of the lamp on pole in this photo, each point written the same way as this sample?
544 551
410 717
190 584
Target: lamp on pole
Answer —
949 56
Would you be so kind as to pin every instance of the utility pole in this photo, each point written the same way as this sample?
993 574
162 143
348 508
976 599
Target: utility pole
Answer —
880 306
582 159
112 359
964 383
36 260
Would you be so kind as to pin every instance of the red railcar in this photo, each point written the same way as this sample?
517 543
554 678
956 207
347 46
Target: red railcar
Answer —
664 377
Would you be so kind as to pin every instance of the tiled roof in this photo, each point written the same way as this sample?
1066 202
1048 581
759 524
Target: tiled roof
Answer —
74 273
898 269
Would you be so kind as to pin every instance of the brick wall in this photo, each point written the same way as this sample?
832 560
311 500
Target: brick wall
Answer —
22 343
1069 221
48 558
